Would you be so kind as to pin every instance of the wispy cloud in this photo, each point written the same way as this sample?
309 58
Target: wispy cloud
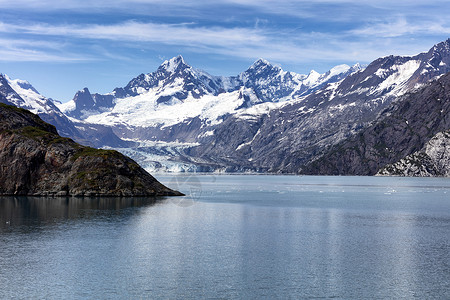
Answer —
145 32
361 40
248 43
21 54
234 42
401 27
42 51
321 10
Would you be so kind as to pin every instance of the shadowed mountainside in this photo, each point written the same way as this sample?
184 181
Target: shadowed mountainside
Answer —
403 129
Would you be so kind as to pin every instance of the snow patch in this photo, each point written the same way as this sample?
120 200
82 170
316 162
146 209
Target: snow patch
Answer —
312 78
400 76
250 142
67 107
144 110
340 69
206 134
172 64
32 100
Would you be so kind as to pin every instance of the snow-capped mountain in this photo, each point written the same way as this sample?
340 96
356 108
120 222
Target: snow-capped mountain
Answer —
172 83
264 119
286 138
177 93
22 94
399 141
178 103
271 84
7 94
175 81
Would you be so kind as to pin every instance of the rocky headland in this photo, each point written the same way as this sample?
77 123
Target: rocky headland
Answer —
35 160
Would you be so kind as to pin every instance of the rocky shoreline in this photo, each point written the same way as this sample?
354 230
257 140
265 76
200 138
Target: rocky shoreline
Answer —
36 161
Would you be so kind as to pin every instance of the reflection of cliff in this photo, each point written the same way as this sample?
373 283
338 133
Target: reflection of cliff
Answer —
35 210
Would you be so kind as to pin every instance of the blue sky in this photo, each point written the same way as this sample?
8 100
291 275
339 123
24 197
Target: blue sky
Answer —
66 45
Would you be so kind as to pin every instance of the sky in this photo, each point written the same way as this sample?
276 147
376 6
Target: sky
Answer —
63 46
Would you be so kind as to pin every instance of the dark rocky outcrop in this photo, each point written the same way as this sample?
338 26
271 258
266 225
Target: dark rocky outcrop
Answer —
403 129
35 160
433 160
85 102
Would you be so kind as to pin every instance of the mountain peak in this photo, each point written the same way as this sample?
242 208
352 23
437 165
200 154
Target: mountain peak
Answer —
357 66
442 46
261 63
19 83
83 98
173 64
262 67
84 91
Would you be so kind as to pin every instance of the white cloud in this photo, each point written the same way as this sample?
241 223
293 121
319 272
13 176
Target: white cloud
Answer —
145 32
248 43
234 42
20 54
343 9
29 50
401 27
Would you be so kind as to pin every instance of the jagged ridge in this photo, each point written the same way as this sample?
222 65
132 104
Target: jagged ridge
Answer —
264 119
285 139
402 129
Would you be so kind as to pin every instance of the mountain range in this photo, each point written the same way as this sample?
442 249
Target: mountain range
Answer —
265 119
177 107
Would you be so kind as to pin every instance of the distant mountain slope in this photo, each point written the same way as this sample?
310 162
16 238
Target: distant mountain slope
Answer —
35 160
21 93
285 138
175 82
180 104
265 119
401 130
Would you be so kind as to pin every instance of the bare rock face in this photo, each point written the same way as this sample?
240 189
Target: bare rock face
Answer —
35 160
402 129
432 160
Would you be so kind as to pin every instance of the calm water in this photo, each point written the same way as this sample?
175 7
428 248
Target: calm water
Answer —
258 237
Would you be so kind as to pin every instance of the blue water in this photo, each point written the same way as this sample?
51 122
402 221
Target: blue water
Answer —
234 237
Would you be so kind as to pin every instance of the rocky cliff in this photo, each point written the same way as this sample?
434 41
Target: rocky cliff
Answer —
402 129
35 160
431 161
